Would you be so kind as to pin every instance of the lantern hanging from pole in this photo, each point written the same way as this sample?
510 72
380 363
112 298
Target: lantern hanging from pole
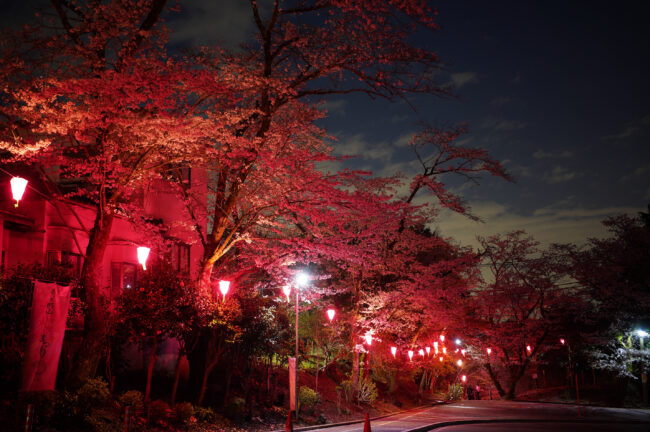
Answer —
143 254
18 185
393 351
287 291
411 355
428 349
330 314
224 286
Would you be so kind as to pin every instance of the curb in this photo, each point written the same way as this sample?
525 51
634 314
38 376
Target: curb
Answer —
492 421
349 422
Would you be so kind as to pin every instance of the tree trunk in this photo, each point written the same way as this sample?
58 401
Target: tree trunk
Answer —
494 379
355 374
204 381
152 362
177 376
98 313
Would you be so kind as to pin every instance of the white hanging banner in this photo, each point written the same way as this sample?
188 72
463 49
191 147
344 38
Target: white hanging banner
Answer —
50 306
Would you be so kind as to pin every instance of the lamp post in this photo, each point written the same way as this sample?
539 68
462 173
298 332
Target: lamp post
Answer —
301 280
644 376
143 254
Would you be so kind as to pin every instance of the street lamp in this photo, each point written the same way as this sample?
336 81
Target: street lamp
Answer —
458 342
330 314
489 351
301 279
442 338
368 338
428 349
421 352
393 351
410 355
18 185
459 363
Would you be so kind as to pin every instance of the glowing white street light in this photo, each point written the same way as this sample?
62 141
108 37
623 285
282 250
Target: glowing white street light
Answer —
368 338
428 349
458 342
330 314
459 363
393 351
410 355
442 338
489 351
421 352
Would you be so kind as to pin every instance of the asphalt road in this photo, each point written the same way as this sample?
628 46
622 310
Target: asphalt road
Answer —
545 427
536 416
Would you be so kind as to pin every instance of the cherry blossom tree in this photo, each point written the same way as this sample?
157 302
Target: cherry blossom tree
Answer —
519 308
107 110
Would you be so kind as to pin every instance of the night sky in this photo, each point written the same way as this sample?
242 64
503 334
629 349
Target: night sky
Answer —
556 90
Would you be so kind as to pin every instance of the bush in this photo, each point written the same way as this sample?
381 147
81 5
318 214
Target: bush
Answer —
345 388
183 412
307 398
204 414
94 393
367 391
61 411
132 398
454 392
158 411
234 410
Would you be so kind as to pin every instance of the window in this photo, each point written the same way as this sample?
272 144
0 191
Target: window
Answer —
123 277
181 257
64 258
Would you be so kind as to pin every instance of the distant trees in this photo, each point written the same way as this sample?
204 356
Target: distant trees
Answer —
518 308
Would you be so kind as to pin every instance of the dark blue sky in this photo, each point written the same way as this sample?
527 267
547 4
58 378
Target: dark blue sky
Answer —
557 90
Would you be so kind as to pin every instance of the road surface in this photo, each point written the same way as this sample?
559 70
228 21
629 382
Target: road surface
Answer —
535 416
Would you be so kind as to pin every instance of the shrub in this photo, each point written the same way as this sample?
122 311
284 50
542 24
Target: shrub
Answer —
234 410
307 398
132 398
454 392
367 391
158 411
183 411
345 388
94 393
204 414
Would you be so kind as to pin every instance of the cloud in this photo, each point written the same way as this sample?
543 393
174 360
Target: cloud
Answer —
552 224
637 172
560 175
501 101
334 107
541 154
632 129
502 125
202 22
461 78
357 145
